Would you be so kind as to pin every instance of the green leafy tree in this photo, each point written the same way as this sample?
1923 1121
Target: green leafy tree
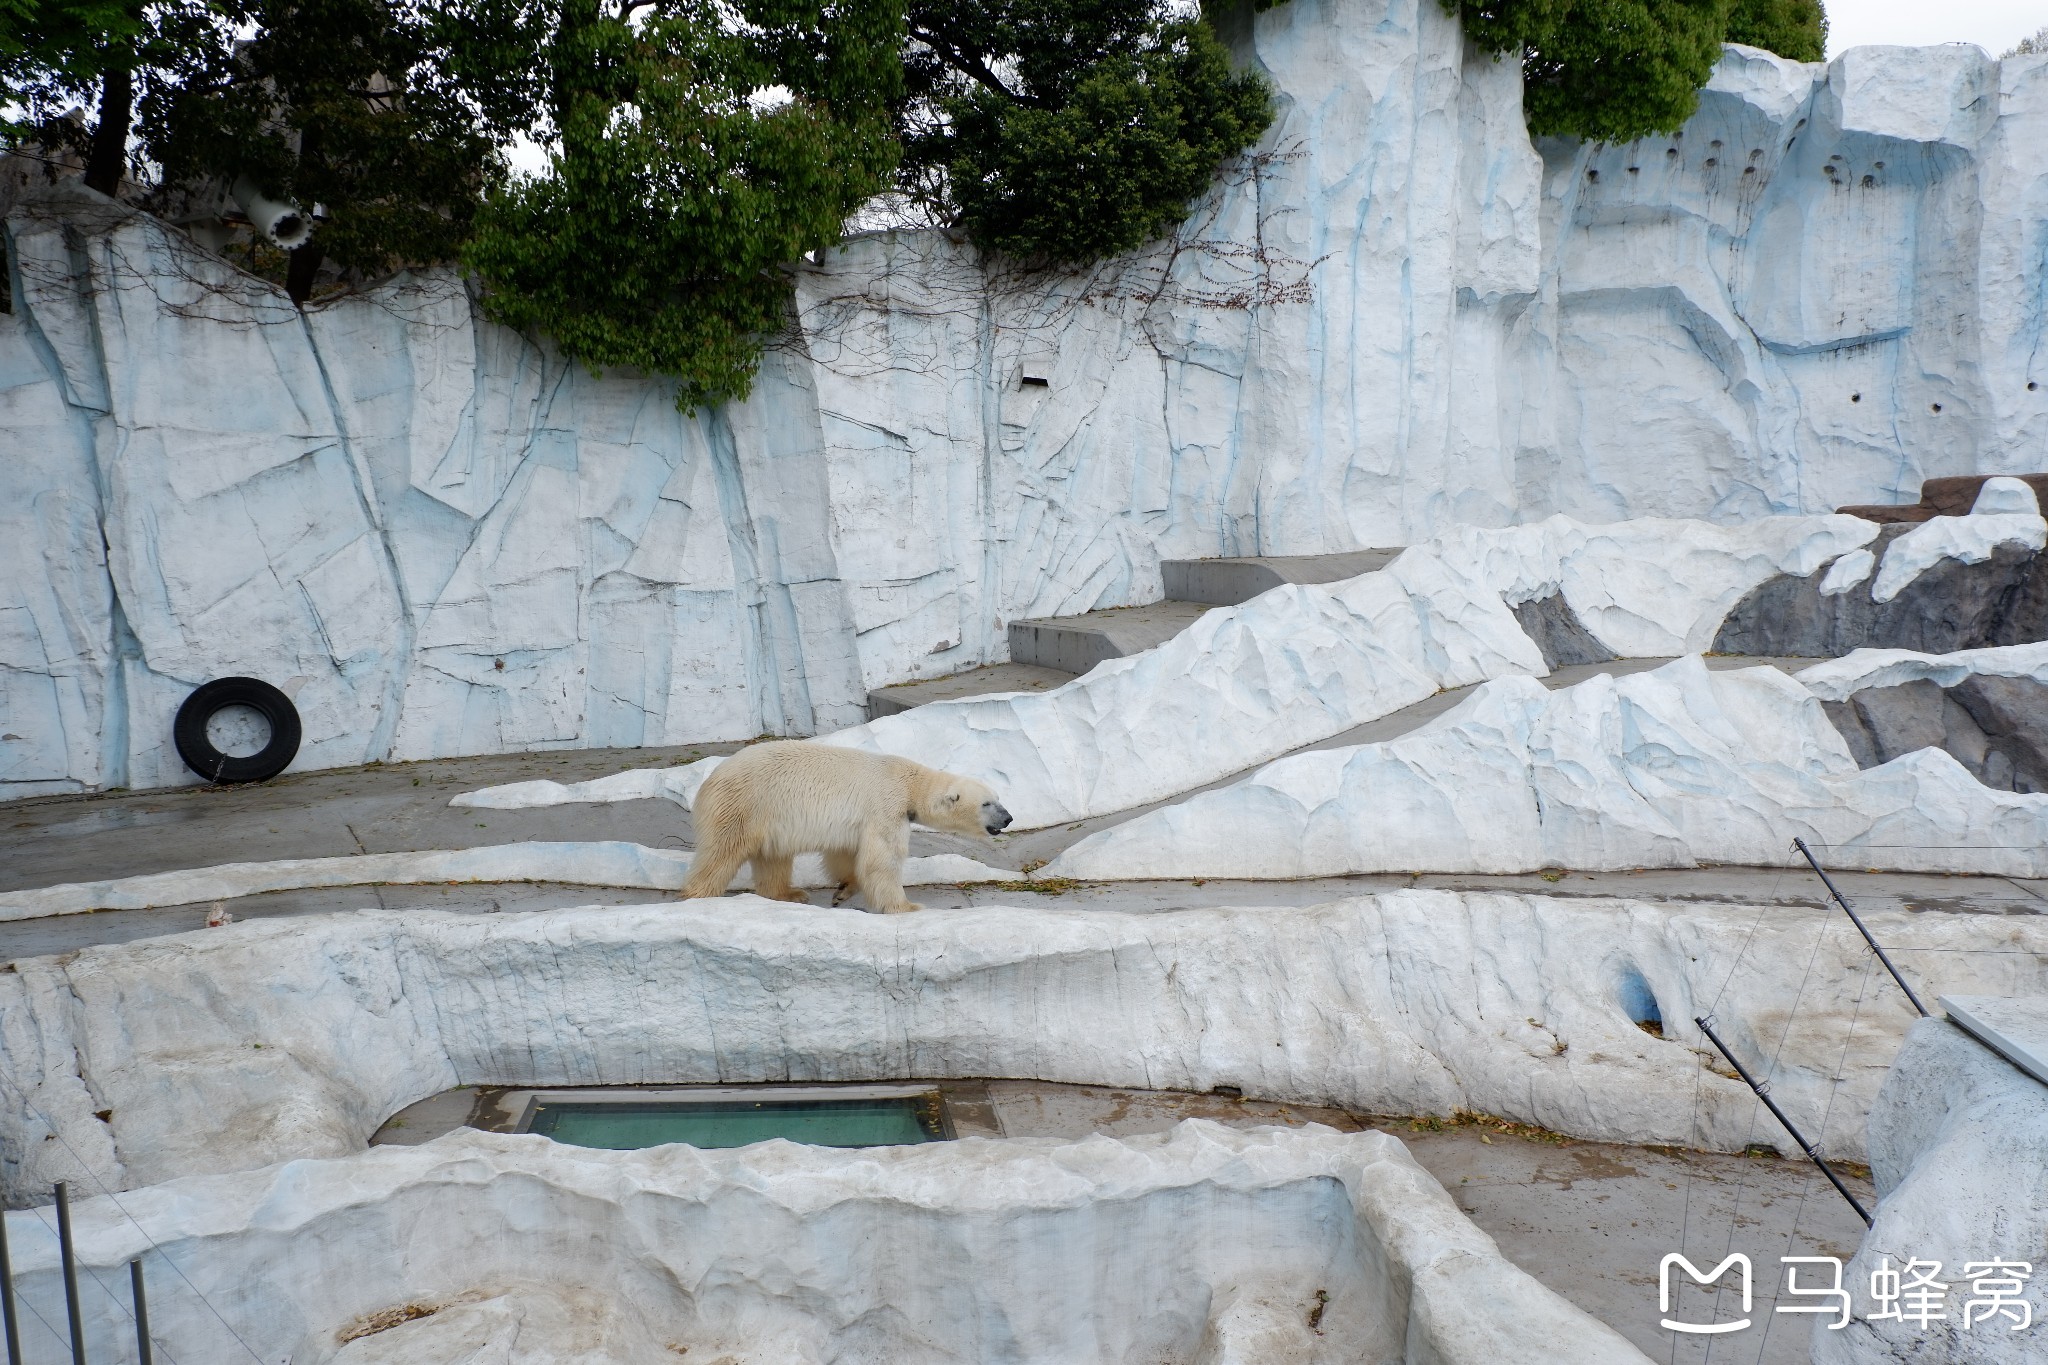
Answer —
1616 70
696 149
1610 70
1797 29
57 56
382 114
388 114
1067 130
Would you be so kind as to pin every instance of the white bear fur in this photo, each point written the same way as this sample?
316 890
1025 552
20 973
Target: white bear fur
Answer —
768 803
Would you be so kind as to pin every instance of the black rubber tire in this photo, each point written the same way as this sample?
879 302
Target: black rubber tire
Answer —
189 730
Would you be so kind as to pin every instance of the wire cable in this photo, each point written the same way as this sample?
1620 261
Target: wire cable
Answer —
1699 1080
1827 1113
1784 1036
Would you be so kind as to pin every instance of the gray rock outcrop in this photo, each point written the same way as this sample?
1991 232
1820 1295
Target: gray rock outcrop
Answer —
1952 606
1995 727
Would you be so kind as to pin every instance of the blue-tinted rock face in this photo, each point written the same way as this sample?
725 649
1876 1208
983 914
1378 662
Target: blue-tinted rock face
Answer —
1397 318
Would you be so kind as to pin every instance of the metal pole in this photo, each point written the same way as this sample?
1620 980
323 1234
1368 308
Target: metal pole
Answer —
1763 1092
1842 901
7 1322
143 1354
70 1273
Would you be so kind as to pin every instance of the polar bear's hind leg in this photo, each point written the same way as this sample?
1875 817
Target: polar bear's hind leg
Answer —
713 866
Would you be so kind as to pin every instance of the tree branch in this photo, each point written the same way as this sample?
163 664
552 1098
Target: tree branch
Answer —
969 64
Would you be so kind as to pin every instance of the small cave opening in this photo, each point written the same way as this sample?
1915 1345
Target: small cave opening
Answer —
1633 994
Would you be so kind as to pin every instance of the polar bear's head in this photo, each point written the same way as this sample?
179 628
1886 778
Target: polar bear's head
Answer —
962 805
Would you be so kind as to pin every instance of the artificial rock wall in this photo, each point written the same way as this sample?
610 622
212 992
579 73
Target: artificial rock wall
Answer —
1396 317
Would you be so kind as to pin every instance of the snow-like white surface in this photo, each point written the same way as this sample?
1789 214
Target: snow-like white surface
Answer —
1671 768
1205 1245
1959 1151
578 864
2005 496
2006 513
232 1048
1303 662
678 784
1849 571
1837 679
1397 319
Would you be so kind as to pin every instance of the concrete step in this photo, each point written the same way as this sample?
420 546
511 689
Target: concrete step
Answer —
1227 582
975 682
1075 644
1048 651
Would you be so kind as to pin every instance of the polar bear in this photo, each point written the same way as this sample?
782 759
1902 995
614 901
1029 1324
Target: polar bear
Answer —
770 802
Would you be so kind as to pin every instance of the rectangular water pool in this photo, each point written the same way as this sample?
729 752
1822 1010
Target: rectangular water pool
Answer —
834 1118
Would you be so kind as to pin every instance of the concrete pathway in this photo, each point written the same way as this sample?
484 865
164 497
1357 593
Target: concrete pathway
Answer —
404 807
390 808
1913 892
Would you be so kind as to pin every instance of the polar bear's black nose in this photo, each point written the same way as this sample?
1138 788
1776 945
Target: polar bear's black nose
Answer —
994 818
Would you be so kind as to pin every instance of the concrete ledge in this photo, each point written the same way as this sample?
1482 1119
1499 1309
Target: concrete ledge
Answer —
2016 1029
1226 582
1075 644
975 682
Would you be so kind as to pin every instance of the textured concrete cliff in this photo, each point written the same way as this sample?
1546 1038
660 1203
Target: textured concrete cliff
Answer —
1397 317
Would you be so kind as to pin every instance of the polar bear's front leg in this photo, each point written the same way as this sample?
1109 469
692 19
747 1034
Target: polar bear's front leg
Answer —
879 868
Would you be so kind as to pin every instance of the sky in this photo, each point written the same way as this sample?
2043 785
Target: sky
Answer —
1994 25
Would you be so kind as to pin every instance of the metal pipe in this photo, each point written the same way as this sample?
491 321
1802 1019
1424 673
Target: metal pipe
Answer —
8 1324
1854 919
1763 1093
288 225
70 1273
143 1353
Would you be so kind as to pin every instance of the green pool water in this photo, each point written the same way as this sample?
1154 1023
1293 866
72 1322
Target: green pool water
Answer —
822 1123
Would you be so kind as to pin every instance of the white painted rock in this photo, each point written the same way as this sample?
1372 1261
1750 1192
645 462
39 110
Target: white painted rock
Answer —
1672 768
637 784
1839 679
226 1049
2005 513
1205 1244
1959 1150
577 864
1301 663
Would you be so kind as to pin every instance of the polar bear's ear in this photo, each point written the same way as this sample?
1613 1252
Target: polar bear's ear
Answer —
952 798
